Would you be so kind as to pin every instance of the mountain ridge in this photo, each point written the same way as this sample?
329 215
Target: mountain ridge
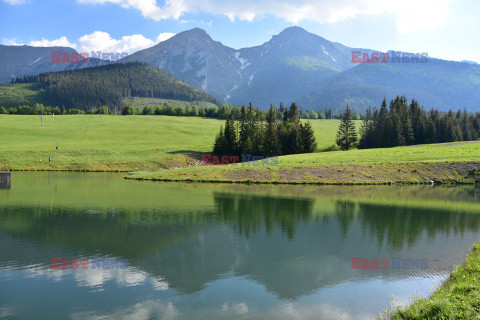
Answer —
296 65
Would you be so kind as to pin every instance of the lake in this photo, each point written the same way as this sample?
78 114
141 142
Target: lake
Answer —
219 251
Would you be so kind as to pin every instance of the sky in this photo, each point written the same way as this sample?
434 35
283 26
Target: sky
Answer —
446 29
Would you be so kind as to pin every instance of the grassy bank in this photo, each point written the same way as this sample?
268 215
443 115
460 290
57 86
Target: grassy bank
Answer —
447 163
458 298
114 143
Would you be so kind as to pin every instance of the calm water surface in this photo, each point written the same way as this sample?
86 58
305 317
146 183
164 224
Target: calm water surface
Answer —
200 251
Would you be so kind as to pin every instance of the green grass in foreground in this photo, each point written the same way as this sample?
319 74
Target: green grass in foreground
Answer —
458 298
112 143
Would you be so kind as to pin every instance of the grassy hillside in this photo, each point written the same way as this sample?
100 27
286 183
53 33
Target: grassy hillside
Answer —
20 94
138 102
451 162
110 143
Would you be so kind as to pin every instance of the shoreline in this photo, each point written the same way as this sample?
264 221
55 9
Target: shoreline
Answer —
436 173
395 173
452 183
456 298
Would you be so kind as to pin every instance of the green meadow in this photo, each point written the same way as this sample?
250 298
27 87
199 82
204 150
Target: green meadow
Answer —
114 143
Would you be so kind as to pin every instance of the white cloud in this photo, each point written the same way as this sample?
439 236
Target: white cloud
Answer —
173 8
12 42
427 15
14 2
410 15
143 310
164 36
98 41
102 41
60 42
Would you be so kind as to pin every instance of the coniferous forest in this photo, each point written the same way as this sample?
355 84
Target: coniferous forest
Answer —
108 85
403 124
278 132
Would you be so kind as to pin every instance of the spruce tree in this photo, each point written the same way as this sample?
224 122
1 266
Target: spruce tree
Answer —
230 136
258 133
270 138
347 135
367 132
220 145
432 126
308 138
382 132
295 143
396 131
466 127
293 114
328 113
243 130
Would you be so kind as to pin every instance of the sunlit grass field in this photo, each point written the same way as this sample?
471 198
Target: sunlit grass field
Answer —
114 143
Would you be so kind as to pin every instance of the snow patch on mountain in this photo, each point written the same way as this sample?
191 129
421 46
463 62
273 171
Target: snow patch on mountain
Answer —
328 54
228 94
205 84
38 59
251 78
244 62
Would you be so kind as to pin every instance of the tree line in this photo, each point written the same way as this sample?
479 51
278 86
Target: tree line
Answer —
278 133
193 109
38 109
224 111
403 124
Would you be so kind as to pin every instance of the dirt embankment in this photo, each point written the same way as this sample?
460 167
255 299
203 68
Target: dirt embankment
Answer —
385 173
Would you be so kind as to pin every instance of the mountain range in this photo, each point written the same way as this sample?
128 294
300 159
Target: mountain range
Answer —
294 65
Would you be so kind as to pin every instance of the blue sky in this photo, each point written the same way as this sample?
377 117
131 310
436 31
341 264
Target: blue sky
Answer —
448 29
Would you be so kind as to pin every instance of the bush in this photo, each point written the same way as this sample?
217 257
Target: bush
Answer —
75 111
128 110
148 111
333 147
